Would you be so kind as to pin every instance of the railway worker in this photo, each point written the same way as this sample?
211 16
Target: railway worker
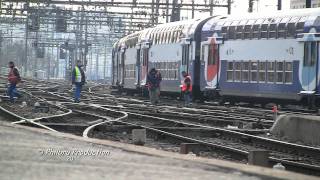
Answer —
13 79
153 82
186 88
78 79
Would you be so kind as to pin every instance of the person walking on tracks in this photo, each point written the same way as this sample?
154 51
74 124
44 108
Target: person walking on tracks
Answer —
186 88
13 79
78 79
153 82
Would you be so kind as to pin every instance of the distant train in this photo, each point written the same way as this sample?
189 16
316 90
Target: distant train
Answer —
269 58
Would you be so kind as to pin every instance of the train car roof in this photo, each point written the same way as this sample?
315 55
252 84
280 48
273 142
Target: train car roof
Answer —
287 13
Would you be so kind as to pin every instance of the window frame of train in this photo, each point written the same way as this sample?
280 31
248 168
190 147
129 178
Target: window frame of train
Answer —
254 71
230 71
273 32
225 30
264 29
256 29
212 57
232 30
300 25
262 67
283 27
185 43
288 71
279 71
240 29
271 71
248 29
310 53
291 27
237 66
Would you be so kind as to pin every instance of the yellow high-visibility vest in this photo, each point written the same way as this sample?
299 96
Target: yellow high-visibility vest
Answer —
78 74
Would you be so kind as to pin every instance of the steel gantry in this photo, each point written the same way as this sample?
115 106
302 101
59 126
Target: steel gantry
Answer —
69 30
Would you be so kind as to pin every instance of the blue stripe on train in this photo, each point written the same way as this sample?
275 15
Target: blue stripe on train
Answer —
295 87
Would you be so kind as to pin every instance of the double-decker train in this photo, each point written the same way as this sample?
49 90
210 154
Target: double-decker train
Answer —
265 57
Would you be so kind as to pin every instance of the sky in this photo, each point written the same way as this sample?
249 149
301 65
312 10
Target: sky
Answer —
241 6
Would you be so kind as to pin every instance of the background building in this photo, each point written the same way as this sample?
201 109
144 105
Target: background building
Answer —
298 4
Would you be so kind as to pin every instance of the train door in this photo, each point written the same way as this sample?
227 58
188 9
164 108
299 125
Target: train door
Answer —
117 67
145 62
184 66
122 66
113 66
309 66
210 55
138 64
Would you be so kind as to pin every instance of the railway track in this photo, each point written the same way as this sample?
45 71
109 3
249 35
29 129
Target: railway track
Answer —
237 145
107 116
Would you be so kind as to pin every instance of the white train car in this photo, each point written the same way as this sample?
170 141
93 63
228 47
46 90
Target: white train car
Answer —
263 56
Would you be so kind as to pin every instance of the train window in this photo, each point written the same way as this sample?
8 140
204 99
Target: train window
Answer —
179 33
247 32
237 71
211 54
156 38
256 31
264 30
245 71
291 30
300 25
262 72
310 53
224 31
282 28
185 54
270 70
254 72
203 52
161 37
168 37
247 29
172 37
230 71
288 72
239 32
145 57
231 32
279 71
272 30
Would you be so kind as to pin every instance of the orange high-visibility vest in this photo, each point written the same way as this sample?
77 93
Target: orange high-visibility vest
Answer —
184 85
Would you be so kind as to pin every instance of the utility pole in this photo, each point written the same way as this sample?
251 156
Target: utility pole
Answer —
85 61
0 41
192 11
157 11
308 3
211 7
250 9
58 63
229 6
105 63
152 13
279 5
97 64
25 64
167 11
